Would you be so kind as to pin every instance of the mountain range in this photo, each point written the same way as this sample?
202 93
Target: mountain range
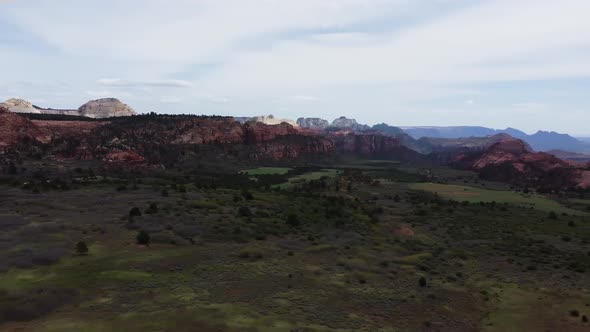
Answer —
151 141
540 141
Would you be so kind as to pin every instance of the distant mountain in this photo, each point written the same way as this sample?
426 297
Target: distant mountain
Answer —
510 160
540 141
573 156
100 108
387 129
313 123
345 123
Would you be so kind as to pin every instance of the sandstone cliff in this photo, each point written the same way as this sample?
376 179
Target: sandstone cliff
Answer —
105 108
511 160
313 123
101 108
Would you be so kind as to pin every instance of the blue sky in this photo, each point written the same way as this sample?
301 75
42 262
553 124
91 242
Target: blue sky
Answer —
518 63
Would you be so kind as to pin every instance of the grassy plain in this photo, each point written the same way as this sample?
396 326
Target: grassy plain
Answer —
382 255
475 195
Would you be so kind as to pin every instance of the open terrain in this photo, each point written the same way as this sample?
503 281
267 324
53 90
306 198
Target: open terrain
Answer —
336 250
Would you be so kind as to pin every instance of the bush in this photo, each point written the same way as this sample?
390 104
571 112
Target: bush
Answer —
153 208
552 215
247 195
81 248
135 212
422 282
143 238
244 211
293 220
165 193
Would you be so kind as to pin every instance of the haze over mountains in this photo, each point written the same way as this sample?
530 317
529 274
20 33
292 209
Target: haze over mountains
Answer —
541 140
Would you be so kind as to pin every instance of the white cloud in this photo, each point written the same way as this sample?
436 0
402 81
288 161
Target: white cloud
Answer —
117 82
304 98
377 60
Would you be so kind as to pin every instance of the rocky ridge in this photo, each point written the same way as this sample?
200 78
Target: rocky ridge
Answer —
98 109
511 160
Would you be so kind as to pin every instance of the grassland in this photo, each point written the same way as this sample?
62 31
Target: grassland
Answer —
329 173
475 195
382 255
266 170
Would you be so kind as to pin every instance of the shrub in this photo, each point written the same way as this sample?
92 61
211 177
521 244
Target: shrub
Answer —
293 220
165 193
552 215
244 211
81 248
143 238
135 212
422 282
247 195
574 313
251 253
153 208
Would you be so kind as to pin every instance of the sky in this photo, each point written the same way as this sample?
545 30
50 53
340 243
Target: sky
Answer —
494 63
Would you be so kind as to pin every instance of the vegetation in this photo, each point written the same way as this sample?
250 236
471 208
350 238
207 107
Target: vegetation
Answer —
231 251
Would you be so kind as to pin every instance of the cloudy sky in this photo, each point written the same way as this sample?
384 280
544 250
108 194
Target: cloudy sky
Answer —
519 63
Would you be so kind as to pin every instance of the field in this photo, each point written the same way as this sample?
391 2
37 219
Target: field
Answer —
307 177
332 251
266 170
475 195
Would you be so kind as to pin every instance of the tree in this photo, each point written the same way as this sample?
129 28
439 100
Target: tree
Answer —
422 282
81 248
247 195
153 208
143 238
244 211
12 168
135 212
293 220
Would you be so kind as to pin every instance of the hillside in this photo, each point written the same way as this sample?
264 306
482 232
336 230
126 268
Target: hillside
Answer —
540 141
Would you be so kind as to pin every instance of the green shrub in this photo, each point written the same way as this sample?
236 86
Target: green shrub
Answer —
143 238
153 208
293 220
422 282
244 211
135 212
81 248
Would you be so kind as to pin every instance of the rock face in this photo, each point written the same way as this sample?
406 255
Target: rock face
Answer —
271 120
345 123
105 108
313 123
101 108
17 105
441 145
511 160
